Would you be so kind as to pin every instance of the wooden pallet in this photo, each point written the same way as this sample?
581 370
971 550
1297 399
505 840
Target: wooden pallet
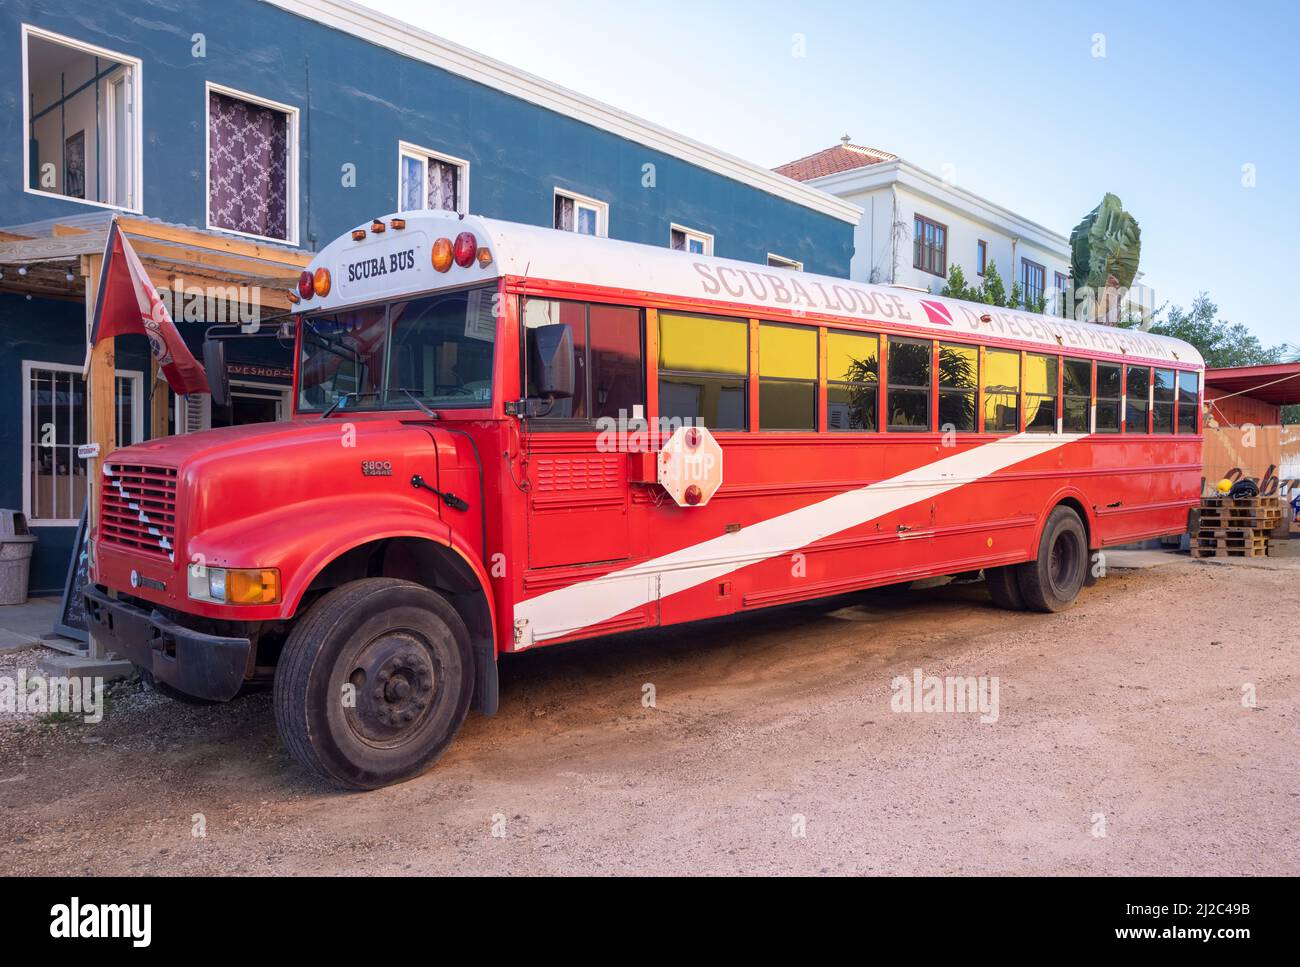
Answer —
1235 526
1247 544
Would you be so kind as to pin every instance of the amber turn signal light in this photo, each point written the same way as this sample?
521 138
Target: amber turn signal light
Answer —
442 254
484 257
321 282
254 586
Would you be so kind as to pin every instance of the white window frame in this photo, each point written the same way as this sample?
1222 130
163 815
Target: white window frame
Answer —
691 233
137 427
135 67
601 208
179 402
783 262
405 149
291 165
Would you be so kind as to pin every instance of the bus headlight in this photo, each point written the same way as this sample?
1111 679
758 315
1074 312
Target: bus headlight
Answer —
227 585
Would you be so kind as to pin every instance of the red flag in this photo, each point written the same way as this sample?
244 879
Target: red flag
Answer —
128 303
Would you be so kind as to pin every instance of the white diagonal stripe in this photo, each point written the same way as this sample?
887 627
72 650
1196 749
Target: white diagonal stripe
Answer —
587 603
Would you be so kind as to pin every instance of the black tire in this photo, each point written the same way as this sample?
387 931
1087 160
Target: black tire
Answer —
406 654
1052 581
175 694
1004 587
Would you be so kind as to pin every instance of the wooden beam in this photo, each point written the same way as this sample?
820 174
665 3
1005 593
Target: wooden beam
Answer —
198 257
100 387
160 401
209 241
60 231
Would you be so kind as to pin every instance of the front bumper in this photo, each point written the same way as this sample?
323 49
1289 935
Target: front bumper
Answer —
198 664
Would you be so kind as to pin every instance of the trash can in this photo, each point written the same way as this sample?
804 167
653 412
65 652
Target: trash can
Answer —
16 543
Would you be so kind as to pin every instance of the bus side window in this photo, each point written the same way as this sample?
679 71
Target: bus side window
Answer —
907 374
1077 390
958 378
852 380
1040 393
1162 416
703 370
1188 402
1001 391
551 312
787 377
1109 390
609 376
1137 396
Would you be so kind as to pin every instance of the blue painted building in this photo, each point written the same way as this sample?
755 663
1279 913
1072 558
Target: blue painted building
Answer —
285 123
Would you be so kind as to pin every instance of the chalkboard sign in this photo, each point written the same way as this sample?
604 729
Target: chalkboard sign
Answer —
71 622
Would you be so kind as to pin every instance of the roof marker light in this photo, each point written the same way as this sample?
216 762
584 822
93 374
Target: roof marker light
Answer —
465 249
358 234
397 223
377 227
442 255
484 256
293 297
306 289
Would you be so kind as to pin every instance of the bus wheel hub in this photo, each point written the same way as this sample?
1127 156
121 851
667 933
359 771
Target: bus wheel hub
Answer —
394 678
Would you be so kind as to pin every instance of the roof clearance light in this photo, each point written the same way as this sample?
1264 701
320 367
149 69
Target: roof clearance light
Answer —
465 250
484 257
442 254
321 282
377 227
398 224
306 288
358 234
293 297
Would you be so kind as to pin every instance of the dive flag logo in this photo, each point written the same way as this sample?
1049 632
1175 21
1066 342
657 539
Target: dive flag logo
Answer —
938 312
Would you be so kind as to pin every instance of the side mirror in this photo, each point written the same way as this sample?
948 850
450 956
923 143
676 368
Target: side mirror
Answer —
553 361
214 363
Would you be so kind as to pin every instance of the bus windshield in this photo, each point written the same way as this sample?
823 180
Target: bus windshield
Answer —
437 348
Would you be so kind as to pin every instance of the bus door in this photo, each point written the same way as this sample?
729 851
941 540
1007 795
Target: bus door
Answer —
578 500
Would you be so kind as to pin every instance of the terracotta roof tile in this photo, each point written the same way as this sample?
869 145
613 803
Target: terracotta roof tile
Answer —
842 157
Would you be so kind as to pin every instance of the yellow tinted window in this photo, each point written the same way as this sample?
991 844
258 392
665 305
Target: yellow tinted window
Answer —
1001 372
958 366
789 352
703 344
1040 374
852 358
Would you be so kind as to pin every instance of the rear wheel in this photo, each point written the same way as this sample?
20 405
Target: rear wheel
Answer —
1004 587
373 683
1052 581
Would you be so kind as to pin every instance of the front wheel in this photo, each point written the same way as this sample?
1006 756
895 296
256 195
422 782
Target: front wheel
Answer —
1052 581
373 683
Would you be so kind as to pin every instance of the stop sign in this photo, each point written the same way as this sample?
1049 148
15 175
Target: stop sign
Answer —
690 466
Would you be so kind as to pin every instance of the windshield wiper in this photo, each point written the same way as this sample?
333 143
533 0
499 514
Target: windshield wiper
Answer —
339 400
418 402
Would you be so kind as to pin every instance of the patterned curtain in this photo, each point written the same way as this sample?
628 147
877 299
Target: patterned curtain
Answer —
564 213
247 167
442 186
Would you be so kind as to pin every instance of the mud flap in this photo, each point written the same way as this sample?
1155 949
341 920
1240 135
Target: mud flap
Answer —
486 694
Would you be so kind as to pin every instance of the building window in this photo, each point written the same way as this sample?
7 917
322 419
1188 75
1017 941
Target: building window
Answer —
55 417
981 256
781 262
1076 385
1001 391
1062 295
852 380
685 240
930 247
1040 393
1164 390
252 166
428 180
958 380
907 370
703 369
610 376
1033 279
1188 402
1137 399
787 377
576 213
1110 387
81 115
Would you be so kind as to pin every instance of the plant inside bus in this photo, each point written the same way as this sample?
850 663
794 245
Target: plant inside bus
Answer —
437 349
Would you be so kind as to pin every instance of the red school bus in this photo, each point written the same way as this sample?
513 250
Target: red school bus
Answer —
506 437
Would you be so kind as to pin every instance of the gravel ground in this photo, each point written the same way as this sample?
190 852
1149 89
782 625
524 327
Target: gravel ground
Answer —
772 747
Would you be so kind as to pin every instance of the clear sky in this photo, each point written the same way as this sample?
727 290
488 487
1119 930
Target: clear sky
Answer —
1010 94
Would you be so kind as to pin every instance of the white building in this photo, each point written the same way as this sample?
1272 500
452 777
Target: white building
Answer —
915 226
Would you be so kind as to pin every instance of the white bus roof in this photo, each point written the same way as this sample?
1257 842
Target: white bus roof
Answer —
397 263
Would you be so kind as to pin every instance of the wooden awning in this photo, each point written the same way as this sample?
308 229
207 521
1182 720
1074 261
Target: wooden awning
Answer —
46 259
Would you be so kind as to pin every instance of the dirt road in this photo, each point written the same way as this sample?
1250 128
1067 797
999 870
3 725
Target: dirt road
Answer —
1122 744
